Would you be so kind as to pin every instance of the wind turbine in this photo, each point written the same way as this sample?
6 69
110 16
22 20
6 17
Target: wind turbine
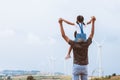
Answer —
67 67
52 65
99 70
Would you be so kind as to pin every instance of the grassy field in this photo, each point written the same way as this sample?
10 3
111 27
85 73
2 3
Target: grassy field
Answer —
62 78
108 78
43 78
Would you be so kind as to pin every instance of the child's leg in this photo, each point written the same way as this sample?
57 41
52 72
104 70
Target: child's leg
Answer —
68 55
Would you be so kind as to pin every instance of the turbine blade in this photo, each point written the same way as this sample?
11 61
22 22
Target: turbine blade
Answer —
96 42
102 42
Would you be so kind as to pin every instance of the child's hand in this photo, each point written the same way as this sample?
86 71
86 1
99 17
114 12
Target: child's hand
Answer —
60 20
93 18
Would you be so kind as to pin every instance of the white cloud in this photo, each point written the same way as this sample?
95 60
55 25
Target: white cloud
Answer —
7 33
33 39
51 41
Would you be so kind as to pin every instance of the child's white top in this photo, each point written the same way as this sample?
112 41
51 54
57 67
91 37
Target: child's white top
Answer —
77 28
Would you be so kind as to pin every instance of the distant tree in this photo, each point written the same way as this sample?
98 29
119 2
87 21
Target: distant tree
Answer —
108 77
9 78
30 78
114 74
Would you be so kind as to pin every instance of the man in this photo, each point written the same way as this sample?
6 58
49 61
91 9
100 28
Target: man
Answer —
80 51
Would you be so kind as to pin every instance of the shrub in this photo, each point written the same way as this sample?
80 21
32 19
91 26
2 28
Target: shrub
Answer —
114 74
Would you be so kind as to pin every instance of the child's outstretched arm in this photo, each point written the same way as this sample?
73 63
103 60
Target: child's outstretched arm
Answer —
68 22
68 54
89 22
65 37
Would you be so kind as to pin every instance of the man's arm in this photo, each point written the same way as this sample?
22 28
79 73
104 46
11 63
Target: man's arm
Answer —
62 30
70 49
92 29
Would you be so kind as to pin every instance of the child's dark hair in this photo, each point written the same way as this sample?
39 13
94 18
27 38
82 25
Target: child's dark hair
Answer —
80 19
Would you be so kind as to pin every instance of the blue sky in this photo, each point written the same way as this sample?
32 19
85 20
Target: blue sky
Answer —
30 35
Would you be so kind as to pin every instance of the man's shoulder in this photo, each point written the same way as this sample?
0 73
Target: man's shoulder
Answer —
71 42
89 39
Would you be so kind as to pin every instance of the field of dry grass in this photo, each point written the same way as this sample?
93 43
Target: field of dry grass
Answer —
63 78
108 78
43 78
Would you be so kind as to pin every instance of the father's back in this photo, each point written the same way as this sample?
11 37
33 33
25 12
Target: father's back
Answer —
80 51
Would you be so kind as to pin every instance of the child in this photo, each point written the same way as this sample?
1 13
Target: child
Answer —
82 35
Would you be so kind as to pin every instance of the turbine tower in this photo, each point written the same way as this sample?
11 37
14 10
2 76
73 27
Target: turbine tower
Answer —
99 70
67 67
52 65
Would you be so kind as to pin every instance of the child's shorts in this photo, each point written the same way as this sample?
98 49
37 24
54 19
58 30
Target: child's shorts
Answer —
80 36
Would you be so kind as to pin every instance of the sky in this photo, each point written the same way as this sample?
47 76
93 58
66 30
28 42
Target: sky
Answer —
30 38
